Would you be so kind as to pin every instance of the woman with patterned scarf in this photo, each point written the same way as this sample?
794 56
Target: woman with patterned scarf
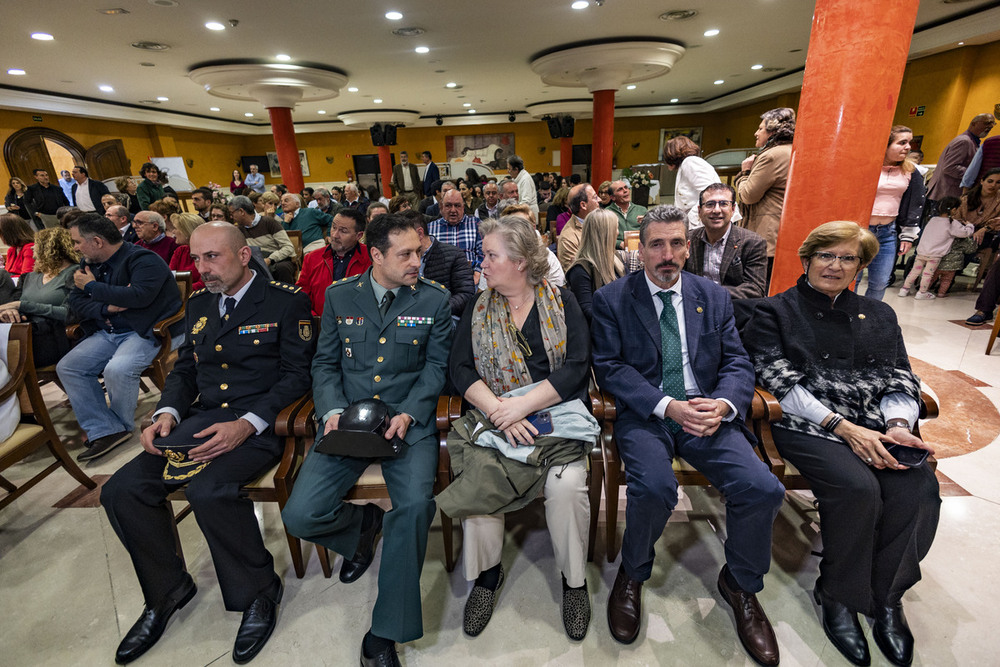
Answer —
524 337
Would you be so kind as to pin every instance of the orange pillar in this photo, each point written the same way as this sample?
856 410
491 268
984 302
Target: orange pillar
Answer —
385 166
566 157
288 151
854 70
604 135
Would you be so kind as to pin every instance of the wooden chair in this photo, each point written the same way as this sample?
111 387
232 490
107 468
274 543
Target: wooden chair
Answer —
762 412
274 486
371 485
993 336
295 236
631 240
165 359
36 429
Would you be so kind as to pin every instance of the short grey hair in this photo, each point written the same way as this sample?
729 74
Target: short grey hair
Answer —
116 210
242 203
322 192
351 187
153 216
662 213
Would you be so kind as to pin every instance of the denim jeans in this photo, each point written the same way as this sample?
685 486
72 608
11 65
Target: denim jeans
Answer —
880 270
121 357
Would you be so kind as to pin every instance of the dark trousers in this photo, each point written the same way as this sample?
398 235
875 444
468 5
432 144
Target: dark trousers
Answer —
988 298
317 512
753 494
135 499
876 524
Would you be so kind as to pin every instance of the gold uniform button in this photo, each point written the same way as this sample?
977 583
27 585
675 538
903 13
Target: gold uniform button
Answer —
218 348
223 386
415 341
224 405
347 340
381 341
380 359
225 367
378 378
375 396
256 341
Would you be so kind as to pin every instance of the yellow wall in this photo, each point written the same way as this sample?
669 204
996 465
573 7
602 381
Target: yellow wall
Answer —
953 87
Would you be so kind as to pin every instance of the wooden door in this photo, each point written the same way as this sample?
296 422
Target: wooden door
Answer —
107 160
24 151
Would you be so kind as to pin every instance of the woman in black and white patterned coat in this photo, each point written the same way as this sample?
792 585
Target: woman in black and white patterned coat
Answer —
837 364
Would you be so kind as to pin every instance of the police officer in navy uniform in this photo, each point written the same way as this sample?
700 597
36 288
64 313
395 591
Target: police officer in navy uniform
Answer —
248 349
385 334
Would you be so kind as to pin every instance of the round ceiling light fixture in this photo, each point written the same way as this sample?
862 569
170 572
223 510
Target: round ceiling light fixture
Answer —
678 15
42 36
411 31
215 25
150 46
394 16
16 72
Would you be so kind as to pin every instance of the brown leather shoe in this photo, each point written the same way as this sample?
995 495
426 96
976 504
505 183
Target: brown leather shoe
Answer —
752 626
624 607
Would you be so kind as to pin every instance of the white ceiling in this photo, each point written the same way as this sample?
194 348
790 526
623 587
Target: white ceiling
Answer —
485 48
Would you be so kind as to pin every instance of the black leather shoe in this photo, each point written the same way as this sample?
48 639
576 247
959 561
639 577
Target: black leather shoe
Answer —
625 608
842 627
256 627
892 634
387 657
102 446
371 528
150 626
752 625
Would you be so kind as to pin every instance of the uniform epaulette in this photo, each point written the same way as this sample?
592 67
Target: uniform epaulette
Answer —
285 286
428 281
348 279
198 293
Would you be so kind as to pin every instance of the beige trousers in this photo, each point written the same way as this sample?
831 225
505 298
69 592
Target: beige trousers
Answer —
567 514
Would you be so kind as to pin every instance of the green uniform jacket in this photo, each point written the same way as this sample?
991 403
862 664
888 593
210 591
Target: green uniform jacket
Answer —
401 360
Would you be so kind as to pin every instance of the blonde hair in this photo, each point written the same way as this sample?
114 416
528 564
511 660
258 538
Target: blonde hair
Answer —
597 246
185 223
521 242
53 247
514 209
840 231
269 198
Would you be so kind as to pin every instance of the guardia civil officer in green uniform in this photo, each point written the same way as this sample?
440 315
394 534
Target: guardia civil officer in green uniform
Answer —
385 334
246 357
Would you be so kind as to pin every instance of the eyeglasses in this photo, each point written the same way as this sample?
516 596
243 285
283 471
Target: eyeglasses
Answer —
720 203
519 338
828 258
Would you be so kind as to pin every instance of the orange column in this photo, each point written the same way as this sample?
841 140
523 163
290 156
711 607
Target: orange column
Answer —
385 166
288 151
566 157
854 70
604 135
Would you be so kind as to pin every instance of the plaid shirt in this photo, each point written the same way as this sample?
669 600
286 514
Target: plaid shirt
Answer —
465 235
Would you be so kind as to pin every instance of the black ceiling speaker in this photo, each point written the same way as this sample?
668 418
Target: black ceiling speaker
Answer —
389 133
555 129
378 138
568 125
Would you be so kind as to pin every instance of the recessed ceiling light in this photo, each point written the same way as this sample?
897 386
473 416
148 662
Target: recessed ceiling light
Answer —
284 57
151 46
711 33
163 3
248 114
321 112
113 11
409 31
674 100
466 104
472 111
450 84
719 82
352 89
678 15
393 16
756 67
631 86
16 72
422 49
212 25
377 100
162 99
961 43
214 109
106 89
42 36
580 4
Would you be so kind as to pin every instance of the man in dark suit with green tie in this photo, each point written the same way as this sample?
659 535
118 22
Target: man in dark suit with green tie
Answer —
385 334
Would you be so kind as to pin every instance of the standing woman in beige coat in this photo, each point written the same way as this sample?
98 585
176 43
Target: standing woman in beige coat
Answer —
763 177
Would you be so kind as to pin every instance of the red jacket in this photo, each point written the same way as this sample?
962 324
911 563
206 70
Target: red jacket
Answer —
317 272
181 261
22 260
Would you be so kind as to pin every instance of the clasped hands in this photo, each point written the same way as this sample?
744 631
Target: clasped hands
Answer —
700 416
225 437
509 415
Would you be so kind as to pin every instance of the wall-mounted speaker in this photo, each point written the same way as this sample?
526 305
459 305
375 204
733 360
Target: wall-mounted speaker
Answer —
378 137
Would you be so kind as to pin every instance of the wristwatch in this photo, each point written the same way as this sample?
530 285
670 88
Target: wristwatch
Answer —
897 423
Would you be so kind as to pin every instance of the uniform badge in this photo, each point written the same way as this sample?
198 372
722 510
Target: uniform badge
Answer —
199 325
407 321
305 329
348 321
361 321
347 352
340 320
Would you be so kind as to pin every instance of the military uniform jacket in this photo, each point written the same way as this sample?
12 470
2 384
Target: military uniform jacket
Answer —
401 359
257 361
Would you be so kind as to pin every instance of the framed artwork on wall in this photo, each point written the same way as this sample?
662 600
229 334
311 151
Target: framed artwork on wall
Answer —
272 163
491 150
692 133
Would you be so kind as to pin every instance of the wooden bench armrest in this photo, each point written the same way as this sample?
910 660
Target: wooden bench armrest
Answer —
928 406
304 425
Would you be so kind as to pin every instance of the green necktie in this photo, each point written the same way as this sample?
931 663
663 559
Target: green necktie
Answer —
672 373
386 302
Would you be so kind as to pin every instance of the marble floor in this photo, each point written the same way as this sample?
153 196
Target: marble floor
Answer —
69 593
